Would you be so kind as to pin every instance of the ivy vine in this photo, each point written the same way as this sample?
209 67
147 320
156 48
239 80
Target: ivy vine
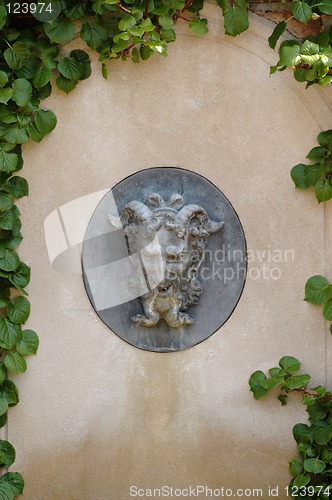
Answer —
318 174
32 62
312 469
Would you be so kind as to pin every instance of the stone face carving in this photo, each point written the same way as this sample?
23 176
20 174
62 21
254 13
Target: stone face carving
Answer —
170 239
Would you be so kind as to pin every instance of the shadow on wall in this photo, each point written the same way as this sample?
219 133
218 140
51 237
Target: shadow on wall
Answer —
101 469
168 437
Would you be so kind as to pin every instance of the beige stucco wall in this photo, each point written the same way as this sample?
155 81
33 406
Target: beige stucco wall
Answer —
98 415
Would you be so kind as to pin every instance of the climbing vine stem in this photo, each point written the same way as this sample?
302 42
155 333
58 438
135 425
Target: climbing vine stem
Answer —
32 62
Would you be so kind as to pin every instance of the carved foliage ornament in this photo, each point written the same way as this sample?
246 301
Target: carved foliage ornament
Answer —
171 240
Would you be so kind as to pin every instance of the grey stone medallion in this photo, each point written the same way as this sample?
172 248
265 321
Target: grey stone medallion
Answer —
164 259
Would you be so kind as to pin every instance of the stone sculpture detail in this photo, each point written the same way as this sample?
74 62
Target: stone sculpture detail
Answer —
171 241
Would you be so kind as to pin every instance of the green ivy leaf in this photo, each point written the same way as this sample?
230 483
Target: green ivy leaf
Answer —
22 91
283 399
45 121
301 480
82 57
135 56
19 310
15 362
8 162
324 81
8 219
3 373
327 310
61 30
289 54
326 455
271 383
159 46
3 303
3 406
17 55
16 481
126 22
314 173
325 6
318 411
168 35
34 133
308 400
65 85
166 22
104 70
321 390
300 74
5 95
9 391
27 71
28 343
317 154
9 333
236 21
296 466
147 25
6 201
21 278
323 190
274 372
301 434
302 12
290 364
314 465
3 420
10 261
199 27
325 139
309 48
93 33
6 115
48 56
323 435
7 455
3 16
17 135
299 176
177 4
297 381
277 32
255 383
6 491
17 186
70 68
47 14
42 77
317 290
146 53
3 78
310 59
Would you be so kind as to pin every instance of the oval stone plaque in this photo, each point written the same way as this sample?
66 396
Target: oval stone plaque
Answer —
164 259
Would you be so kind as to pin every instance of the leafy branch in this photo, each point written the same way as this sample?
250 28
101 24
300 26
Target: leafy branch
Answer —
313 466
318 174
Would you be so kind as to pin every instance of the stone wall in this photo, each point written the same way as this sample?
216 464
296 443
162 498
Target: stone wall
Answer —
97 415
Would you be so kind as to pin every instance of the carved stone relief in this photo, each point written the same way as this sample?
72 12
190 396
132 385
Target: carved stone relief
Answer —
172 238
164 259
